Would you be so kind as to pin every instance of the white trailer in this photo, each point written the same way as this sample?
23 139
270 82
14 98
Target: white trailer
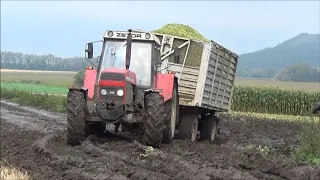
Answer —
206 71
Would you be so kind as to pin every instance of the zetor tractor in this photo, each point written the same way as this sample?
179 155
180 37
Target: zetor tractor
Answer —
125 90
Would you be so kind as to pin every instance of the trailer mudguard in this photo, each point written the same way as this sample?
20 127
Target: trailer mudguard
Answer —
89 80
164 83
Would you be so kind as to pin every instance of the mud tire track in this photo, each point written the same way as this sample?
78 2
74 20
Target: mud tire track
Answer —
36 141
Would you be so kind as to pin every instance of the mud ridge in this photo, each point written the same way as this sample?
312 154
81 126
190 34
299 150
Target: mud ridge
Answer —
36 141
63 163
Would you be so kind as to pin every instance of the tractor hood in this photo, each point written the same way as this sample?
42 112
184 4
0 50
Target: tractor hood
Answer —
117 74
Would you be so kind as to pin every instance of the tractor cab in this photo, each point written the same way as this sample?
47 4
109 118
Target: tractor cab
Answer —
128 52
127 67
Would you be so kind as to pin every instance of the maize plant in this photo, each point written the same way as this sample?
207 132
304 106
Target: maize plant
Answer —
273 100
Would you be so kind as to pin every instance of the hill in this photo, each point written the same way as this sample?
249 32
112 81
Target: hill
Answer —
265 63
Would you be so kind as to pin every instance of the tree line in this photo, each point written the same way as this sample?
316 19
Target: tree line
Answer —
299 72
15 60
49 62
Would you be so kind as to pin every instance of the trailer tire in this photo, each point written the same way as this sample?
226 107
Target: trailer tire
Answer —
154 123
77 111
173 116
209 128
188 127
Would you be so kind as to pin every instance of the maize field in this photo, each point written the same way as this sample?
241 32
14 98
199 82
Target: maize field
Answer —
273 100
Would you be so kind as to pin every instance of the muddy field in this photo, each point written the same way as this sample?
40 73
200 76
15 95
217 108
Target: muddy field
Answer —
35 141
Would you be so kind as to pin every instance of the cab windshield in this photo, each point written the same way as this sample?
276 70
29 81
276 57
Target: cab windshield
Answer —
115 57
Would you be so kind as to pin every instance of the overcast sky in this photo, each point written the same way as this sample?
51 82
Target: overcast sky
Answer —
63 28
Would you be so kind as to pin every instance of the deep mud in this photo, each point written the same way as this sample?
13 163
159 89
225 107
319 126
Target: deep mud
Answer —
35 141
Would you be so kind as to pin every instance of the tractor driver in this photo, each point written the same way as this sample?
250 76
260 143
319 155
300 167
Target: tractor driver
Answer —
141 64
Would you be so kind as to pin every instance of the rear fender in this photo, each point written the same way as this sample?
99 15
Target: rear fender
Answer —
164 85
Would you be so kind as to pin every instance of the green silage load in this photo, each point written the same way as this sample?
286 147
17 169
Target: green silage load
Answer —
181 30
185 31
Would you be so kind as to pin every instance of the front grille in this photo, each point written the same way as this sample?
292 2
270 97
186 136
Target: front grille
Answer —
112 76
111 96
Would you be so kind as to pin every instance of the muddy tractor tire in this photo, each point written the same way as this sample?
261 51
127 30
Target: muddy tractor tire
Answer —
316 108
77 112
172 109
188 127
154 123
209 128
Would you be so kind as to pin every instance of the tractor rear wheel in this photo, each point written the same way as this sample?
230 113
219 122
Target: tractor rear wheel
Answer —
173 116
209 128
154 124
188 127
77 112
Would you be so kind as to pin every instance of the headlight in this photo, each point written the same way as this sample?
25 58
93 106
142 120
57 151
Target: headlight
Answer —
120 92
103 91
148 36
110 33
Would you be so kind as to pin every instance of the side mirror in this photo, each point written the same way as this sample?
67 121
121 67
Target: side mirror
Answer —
157 54
128 50
89 51
176 55
98 59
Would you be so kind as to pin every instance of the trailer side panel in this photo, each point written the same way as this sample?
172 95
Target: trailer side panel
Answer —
221 70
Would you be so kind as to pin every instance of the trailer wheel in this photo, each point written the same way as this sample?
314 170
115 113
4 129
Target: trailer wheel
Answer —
188 127
77 111
173 117
154 124
208 128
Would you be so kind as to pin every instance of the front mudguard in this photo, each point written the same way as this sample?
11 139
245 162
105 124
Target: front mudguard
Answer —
79 88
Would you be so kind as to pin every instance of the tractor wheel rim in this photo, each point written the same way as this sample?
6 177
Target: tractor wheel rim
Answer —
194 131
173 115
213 131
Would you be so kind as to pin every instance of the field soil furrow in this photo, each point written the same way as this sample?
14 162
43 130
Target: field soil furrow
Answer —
35 140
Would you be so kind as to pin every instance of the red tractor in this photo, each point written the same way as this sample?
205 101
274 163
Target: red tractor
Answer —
125 90
153 85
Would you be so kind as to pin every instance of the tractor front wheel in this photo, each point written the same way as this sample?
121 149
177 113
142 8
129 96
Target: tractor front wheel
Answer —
154 123
77 111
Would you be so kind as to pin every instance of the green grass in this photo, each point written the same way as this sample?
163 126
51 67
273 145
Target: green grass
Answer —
66 78
309 150
39 88
309 139
55 78
55 103
56 82
245 99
